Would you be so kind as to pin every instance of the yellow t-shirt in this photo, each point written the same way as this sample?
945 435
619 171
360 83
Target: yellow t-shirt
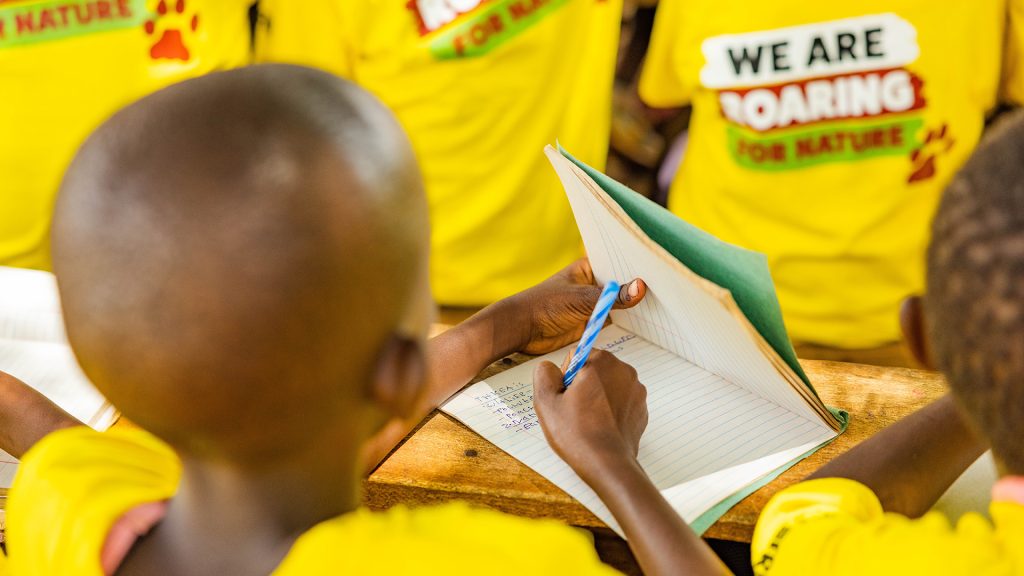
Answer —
74 485
480 86
836 526
823 133
66 65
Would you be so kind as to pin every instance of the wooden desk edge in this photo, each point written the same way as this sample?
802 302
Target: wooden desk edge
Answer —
385 488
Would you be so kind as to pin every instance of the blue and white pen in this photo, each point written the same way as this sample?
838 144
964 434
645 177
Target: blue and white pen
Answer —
604 305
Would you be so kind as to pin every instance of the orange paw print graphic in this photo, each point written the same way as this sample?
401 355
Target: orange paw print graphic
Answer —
936 143
169 26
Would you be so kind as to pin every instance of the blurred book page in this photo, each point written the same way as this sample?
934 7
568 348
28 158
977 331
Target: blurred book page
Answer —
34 349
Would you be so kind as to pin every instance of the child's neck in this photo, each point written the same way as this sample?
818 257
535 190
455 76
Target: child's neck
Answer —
227 519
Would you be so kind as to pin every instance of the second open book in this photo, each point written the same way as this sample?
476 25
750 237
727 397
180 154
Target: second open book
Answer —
34 349
730 407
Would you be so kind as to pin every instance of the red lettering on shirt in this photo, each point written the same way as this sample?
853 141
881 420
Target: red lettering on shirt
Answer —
103 10
24 23
479 34
46 19
525 7
62 16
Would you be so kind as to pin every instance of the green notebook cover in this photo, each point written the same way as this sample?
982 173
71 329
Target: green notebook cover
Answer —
742 272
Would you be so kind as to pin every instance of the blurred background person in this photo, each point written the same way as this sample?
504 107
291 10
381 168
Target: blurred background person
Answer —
822 134
65 66
480 87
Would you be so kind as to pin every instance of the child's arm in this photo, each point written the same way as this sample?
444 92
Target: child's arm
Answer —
595 426
536 321
26 416
911 463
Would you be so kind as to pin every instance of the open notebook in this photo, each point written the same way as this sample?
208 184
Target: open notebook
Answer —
730 407
34 349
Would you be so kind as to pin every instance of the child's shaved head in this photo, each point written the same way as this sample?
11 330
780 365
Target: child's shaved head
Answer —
234 251
975 302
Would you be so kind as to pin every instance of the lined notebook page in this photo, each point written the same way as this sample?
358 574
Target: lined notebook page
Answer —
706 438
34 349
682 312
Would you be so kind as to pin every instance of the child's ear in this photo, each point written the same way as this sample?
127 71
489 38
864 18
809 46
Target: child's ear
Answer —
912 323
401 374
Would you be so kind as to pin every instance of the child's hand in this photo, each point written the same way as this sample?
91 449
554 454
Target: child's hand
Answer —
553 313
536 321
599 419
595 426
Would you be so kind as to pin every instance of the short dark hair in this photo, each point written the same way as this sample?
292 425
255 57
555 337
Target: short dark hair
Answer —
975 302
240 243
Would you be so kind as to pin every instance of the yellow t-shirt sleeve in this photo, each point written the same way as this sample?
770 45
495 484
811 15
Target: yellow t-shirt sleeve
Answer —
1013 60
445 540
663 80
71 488
837 526
814 510
313 33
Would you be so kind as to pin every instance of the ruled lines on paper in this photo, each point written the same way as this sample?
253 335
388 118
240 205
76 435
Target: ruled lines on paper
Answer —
680 313
707 438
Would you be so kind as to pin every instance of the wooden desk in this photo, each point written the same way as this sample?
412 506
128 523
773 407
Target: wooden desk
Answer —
444 460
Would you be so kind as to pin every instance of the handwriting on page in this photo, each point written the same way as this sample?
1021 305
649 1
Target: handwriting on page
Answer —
707 437
618 344
513 404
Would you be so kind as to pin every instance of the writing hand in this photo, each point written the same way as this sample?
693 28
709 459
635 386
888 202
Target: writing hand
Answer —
599 419
595 426
536 321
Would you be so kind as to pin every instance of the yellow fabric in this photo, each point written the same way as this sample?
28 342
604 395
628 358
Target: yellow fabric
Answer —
70 489
75 483
441 540
845 230
480 94
65 65
837 526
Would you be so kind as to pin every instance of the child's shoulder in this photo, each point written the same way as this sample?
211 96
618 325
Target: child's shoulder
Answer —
828 522
75 460
452 538
72 487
